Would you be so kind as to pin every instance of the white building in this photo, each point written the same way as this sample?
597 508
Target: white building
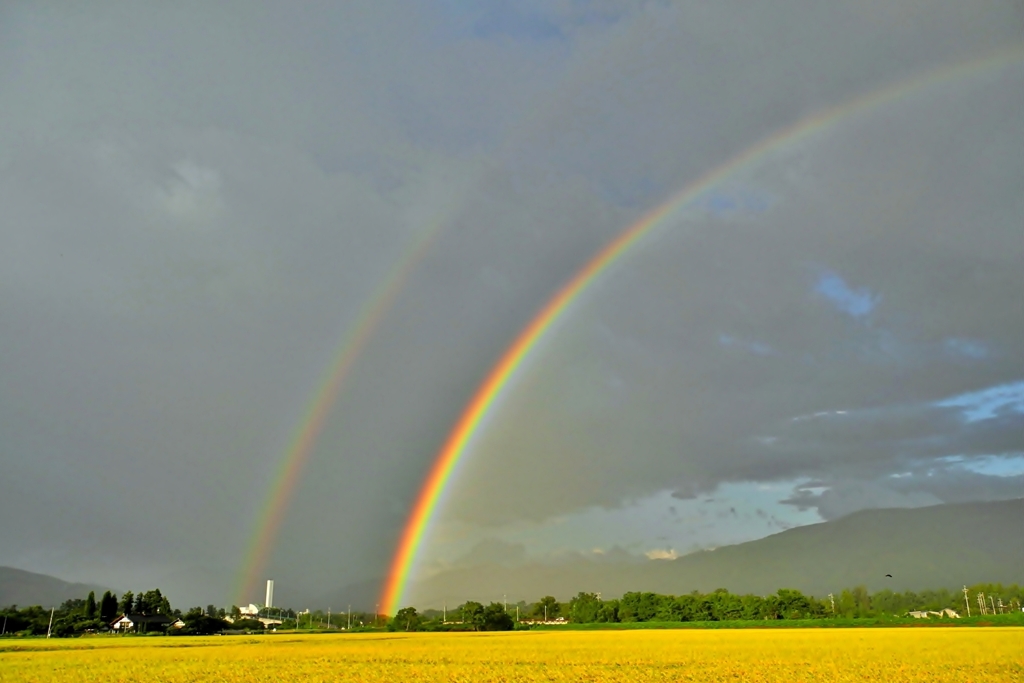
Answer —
250 611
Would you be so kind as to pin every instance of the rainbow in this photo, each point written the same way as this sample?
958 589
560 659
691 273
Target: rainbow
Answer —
483 400
305 438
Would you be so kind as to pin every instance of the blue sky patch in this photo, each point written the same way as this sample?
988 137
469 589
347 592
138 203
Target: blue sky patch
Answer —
1010 465
854 302
988 403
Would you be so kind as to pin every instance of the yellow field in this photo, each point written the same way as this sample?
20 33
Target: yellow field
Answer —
924 654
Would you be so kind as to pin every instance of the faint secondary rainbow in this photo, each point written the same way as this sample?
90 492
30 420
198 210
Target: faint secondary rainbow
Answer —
469 423
305 438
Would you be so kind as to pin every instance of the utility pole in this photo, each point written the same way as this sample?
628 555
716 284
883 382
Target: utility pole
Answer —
545 613
328 618
832 599
376 614
981 604
349 628
444 613
4 632
517 614
967 602
992 600
504 601
48 628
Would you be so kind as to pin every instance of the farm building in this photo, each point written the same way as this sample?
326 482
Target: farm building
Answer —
144 623
921 614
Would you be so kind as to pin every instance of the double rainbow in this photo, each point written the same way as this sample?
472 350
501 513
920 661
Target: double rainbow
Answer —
304 441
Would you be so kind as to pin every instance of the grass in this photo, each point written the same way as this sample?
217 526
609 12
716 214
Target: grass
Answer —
760 656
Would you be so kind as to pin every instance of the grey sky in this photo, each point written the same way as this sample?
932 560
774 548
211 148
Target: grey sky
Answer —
199 201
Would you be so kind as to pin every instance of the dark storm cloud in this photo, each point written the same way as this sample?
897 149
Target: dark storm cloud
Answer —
494 551
198 202
846 294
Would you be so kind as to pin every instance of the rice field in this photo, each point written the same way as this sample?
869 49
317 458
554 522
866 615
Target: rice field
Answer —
933 655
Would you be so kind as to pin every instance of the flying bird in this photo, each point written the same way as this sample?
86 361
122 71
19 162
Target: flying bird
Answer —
888 576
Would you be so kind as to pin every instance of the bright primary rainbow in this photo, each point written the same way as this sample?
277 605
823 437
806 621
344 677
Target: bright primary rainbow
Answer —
469 423
305 439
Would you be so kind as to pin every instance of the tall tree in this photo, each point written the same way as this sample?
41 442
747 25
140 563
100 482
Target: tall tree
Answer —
584 608
496 618
127 603
152 602
108 606
546 608
407 619
473 615
165 606
90 606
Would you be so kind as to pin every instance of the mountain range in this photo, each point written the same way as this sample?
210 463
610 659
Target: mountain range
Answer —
23 588
942 546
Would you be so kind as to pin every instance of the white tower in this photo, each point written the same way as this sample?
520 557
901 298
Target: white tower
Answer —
270 593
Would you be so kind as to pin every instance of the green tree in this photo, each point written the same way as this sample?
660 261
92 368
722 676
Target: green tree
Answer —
547 608
608 612
152 602
75 605
862 600
792 603
90 606
211 611
108 606
495 618
584 608
197 623
127 603
407 619
726 606
686 606
629 607
473 615
846 605
753 607
703 608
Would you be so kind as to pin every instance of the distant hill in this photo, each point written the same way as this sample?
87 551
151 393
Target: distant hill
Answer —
22 588
930 547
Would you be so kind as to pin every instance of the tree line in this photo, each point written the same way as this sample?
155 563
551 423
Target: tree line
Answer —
721 605
82 615
79 616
